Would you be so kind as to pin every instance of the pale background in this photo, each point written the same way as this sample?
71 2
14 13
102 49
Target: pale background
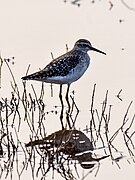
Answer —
30 30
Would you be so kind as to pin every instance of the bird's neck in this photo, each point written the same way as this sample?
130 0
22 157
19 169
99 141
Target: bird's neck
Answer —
83 50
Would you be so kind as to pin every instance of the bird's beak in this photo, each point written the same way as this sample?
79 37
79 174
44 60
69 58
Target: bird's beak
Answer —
97 50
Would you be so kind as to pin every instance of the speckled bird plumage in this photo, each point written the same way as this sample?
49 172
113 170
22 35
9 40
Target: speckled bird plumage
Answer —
68 67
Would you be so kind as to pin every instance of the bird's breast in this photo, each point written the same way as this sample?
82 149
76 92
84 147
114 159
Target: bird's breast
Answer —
79 70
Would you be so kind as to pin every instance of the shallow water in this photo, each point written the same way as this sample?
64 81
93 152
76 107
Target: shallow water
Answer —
30 37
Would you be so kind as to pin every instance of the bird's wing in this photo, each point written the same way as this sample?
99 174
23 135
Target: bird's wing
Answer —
60 66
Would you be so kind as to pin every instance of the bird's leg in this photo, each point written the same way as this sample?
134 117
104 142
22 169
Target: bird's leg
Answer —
62 106
67 99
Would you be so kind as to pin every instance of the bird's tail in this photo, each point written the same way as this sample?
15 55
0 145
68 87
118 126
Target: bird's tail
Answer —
33 76
29 77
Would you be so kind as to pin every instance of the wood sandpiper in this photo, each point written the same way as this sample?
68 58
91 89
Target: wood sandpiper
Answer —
66 68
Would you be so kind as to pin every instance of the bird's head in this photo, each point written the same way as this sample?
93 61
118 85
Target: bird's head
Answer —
85 45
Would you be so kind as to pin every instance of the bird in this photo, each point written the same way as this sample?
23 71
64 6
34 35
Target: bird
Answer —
68 67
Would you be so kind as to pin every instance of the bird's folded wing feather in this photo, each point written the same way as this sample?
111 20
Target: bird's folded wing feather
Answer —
60 66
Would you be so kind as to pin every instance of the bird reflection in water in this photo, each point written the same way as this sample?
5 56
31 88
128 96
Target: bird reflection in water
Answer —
73 143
